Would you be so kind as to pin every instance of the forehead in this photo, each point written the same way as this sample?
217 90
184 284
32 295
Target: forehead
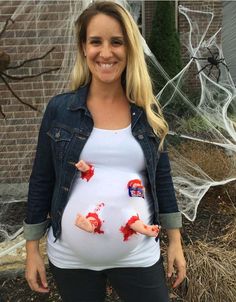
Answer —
103 25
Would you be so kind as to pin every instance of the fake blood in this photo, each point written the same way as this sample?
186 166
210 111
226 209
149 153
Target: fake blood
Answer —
96 222
88 174
99 206
126 230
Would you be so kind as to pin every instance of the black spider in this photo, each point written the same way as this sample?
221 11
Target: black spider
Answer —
213 61
4 66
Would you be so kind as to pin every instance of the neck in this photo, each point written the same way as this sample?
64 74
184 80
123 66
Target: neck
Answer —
109 93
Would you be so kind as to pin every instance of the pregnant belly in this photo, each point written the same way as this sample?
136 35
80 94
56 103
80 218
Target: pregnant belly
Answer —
99 248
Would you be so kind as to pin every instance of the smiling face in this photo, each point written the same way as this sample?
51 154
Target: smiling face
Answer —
105 49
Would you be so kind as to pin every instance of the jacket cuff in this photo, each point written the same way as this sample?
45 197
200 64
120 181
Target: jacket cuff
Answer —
171 220
35 231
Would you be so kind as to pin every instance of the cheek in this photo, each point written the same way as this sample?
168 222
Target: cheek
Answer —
92 54
124 61
123 55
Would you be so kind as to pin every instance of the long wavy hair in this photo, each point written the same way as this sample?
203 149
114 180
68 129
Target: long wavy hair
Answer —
135 79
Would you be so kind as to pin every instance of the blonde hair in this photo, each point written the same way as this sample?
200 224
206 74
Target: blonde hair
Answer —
138 84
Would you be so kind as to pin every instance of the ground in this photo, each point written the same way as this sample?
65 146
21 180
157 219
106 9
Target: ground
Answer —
216 210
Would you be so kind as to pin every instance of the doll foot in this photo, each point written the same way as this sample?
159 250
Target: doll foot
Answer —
82 166
148 230
84 224
151 230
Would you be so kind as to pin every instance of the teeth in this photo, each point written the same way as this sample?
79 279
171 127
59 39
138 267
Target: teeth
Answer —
106 65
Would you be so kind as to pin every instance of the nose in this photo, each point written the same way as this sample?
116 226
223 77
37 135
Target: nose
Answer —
105 51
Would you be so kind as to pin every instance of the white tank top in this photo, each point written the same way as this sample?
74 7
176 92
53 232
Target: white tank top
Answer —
117 158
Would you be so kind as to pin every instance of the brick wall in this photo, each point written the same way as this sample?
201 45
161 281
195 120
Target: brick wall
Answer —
213 5
150 7
18 132
183 27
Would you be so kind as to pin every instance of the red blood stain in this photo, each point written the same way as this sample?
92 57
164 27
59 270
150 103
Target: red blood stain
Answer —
99 206
88 174
134 183
126 230
95 222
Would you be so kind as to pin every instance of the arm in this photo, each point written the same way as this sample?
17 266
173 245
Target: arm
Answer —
170 219
41 183
38 207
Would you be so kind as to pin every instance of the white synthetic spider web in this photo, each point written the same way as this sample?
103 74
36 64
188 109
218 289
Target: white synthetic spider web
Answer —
210 107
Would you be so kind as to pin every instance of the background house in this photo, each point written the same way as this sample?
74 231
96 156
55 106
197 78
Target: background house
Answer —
210 240
18 132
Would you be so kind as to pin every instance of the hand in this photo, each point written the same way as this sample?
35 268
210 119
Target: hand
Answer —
35 272
176 261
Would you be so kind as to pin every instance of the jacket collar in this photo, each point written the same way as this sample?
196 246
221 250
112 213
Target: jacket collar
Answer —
79 99
79 102
135 112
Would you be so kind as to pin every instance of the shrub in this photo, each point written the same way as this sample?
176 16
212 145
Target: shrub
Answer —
164 43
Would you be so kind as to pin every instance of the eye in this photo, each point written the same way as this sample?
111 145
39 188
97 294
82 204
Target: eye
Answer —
117 42
95 42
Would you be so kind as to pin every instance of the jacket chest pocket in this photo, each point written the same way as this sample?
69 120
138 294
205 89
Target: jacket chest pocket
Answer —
60 139
149 143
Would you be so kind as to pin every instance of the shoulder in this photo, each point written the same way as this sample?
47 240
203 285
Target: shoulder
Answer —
57 105
71 100
62 99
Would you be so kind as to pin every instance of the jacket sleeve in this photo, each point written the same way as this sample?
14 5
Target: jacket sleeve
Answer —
170 217
41 183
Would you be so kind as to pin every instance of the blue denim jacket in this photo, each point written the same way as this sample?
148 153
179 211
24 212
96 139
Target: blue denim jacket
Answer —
65 128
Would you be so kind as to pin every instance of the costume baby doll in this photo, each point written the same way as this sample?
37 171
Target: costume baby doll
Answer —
93 224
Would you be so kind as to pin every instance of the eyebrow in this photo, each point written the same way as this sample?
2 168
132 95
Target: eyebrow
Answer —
114 37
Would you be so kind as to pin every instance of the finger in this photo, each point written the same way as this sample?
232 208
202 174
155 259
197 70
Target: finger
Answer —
33 284
170 267
29 282
43 278
178 281
29 278
180 276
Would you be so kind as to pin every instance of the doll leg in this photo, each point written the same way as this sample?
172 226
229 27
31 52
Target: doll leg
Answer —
135 225
87 170
82 166
148 230
91 223
84 223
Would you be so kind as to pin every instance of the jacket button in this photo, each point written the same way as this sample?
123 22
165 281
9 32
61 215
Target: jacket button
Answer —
58 134
71 163
65 189
140 136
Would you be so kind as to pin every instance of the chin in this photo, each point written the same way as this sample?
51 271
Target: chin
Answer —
109 80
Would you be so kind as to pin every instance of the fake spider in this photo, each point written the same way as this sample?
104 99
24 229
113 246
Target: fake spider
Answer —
4 66
212 61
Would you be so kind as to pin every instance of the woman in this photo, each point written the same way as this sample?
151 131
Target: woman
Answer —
112 121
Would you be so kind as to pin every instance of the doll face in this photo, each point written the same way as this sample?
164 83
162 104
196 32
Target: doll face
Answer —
105 49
